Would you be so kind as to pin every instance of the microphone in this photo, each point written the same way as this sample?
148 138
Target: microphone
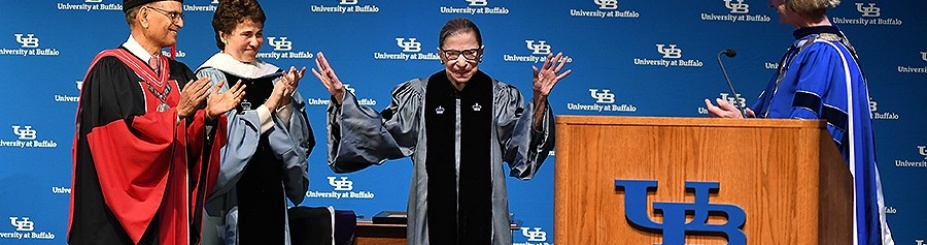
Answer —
730 53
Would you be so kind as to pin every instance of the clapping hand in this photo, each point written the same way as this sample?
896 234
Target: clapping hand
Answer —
192 94
290 80
220 103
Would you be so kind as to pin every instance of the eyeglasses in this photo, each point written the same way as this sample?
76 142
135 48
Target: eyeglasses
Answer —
175 16
469 54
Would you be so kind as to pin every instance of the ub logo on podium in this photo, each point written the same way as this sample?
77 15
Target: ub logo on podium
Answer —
282 45
869 11
674 226
922 150
537 235
924 56
411 46
671 52
607 4
22 225
341 185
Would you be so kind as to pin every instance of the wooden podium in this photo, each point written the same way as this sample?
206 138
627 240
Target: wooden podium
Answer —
785 175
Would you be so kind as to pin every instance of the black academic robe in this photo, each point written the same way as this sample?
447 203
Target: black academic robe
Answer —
140 175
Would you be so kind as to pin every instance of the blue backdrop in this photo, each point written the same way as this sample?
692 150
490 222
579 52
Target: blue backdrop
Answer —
633 58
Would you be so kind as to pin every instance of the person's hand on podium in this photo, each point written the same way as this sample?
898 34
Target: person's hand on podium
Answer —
726 110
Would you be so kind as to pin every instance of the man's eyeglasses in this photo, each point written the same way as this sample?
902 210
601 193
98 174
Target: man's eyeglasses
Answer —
175 16
469 54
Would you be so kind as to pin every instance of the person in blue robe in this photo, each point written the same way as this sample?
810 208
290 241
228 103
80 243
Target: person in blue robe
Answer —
265 162
820 78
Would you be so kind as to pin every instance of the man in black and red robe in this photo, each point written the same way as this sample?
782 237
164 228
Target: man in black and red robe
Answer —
144 155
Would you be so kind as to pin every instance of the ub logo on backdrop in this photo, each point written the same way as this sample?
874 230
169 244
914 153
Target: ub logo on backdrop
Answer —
607 4
869 11
280 45
477 3
739 101
283 49
603 101
345 7
534 236
342 188
22 225
341 185
920 69
670 52
410 46
884 115
409 49
474 7
606 9
27 45
24 228
604 97
539 49
738 11
26 137
671 56
26 133
921 162
870 14
70 98
738 7
30 41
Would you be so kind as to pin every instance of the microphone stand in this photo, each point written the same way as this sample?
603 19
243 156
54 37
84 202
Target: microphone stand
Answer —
727 52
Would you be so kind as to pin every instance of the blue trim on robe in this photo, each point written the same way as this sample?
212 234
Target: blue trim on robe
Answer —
814 86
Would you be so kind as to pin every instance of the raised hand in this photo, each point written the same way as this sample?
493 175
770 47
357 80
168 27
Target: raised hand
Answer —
326 74
220 103
543 82
725 110
549 74
192 95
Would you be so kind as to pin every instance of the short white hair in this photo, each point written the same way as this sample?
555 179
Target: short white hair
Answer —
811 6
